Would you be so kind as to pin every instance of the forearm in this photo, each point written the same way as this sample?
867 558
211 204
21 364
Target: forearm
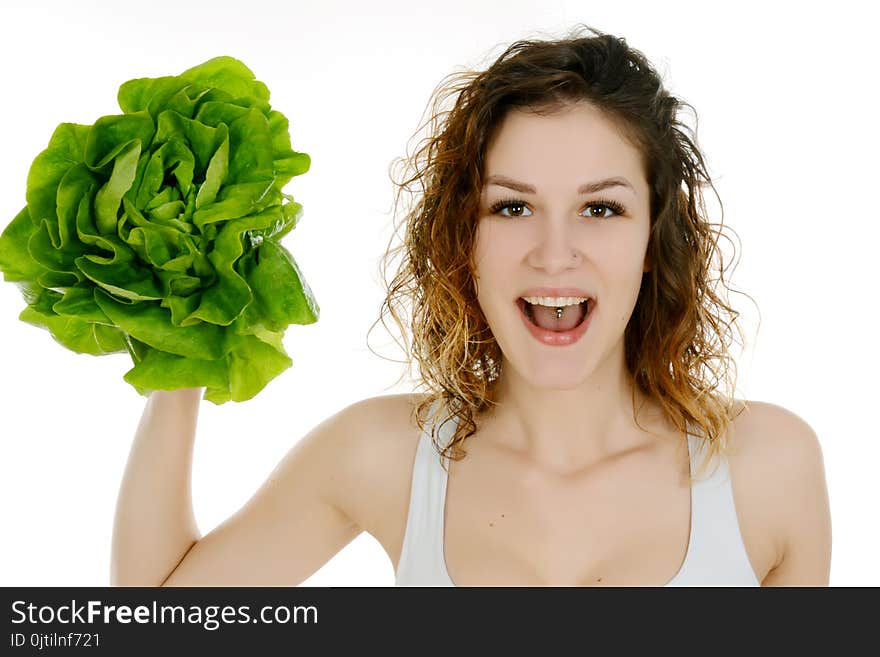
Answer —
154 524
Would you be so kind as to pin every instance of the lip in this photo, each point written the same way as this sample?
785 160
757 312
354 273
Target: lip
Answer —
557 338
556 292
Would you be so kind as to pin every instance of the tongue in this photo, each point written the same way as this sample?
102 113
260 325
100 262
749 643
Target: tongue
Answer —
545 317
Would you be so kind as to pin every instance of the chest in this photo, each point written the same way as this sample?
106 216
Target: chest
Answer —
624 523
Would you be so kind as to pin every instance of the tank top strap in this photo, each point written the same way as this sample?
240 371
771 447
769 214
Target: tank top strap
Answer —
421 557
716 551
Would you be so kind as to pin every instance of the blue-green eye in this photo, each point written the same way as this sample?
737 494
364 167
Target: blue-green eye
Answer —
603 204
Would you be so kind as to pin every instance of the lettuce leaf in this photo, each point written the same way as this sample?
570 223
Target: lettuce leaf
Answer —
156 233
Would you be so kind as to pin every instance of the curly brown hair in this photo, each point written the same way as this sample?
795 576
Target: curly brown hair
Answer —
678 337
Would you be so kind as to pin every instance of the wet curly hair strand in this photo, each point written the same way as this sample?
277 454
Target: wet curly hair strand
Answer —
678 337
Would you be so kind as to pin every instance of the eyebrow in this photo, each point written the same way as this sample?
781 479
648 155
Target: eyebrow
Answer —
586 188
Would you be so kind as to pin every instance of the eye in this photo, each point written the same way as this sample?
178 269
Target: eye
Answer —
602 204
615 207
504 205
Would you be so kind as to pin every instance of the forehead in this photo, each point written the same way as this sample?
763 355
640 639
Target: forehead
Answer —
574 144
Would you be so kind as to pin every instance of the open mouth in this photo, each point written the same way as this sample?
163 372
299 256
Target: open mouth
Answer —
559 318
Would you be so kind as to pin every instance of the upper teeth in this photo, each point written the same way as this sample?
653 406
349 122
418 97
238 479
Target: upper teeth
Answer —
555 302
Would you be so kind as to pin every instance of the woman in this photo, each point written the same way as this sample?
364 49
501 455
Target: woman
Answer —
568 335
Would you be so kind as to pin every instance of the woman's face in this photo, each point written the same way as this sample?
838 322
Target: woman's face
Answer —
553 236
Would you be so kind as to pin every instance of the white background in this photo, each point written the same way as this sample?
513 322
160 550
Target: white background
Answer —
787 119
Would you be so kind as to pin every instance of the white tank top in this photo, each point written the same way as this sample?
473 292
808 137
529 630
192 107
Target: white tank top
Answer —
716 555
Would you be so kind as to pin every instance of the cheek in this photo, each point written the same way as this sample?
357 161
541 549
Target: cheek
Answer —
498 245
489 284
625 255
487 263
483 237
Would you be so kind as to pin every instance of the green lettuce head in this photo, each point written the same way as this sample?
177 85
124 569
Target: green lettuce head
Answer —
156 232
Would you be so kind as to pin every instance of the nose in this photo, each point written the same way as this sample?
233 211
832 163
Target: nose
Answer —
556 249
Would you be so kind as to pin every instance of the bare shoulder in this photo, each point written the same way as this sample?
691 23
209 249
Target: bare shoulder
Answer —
776 439
380 446
381 430
776 456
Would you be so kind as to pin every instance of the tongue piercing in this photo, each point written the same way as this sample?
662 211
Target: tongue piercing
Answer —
559 312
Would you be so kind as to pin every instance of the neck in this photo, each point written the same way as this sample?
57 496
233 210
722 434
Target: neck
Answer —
564 429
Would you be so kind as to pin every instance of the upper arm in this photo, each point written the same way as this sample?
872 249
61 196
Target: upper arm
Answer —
804 517
294 523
